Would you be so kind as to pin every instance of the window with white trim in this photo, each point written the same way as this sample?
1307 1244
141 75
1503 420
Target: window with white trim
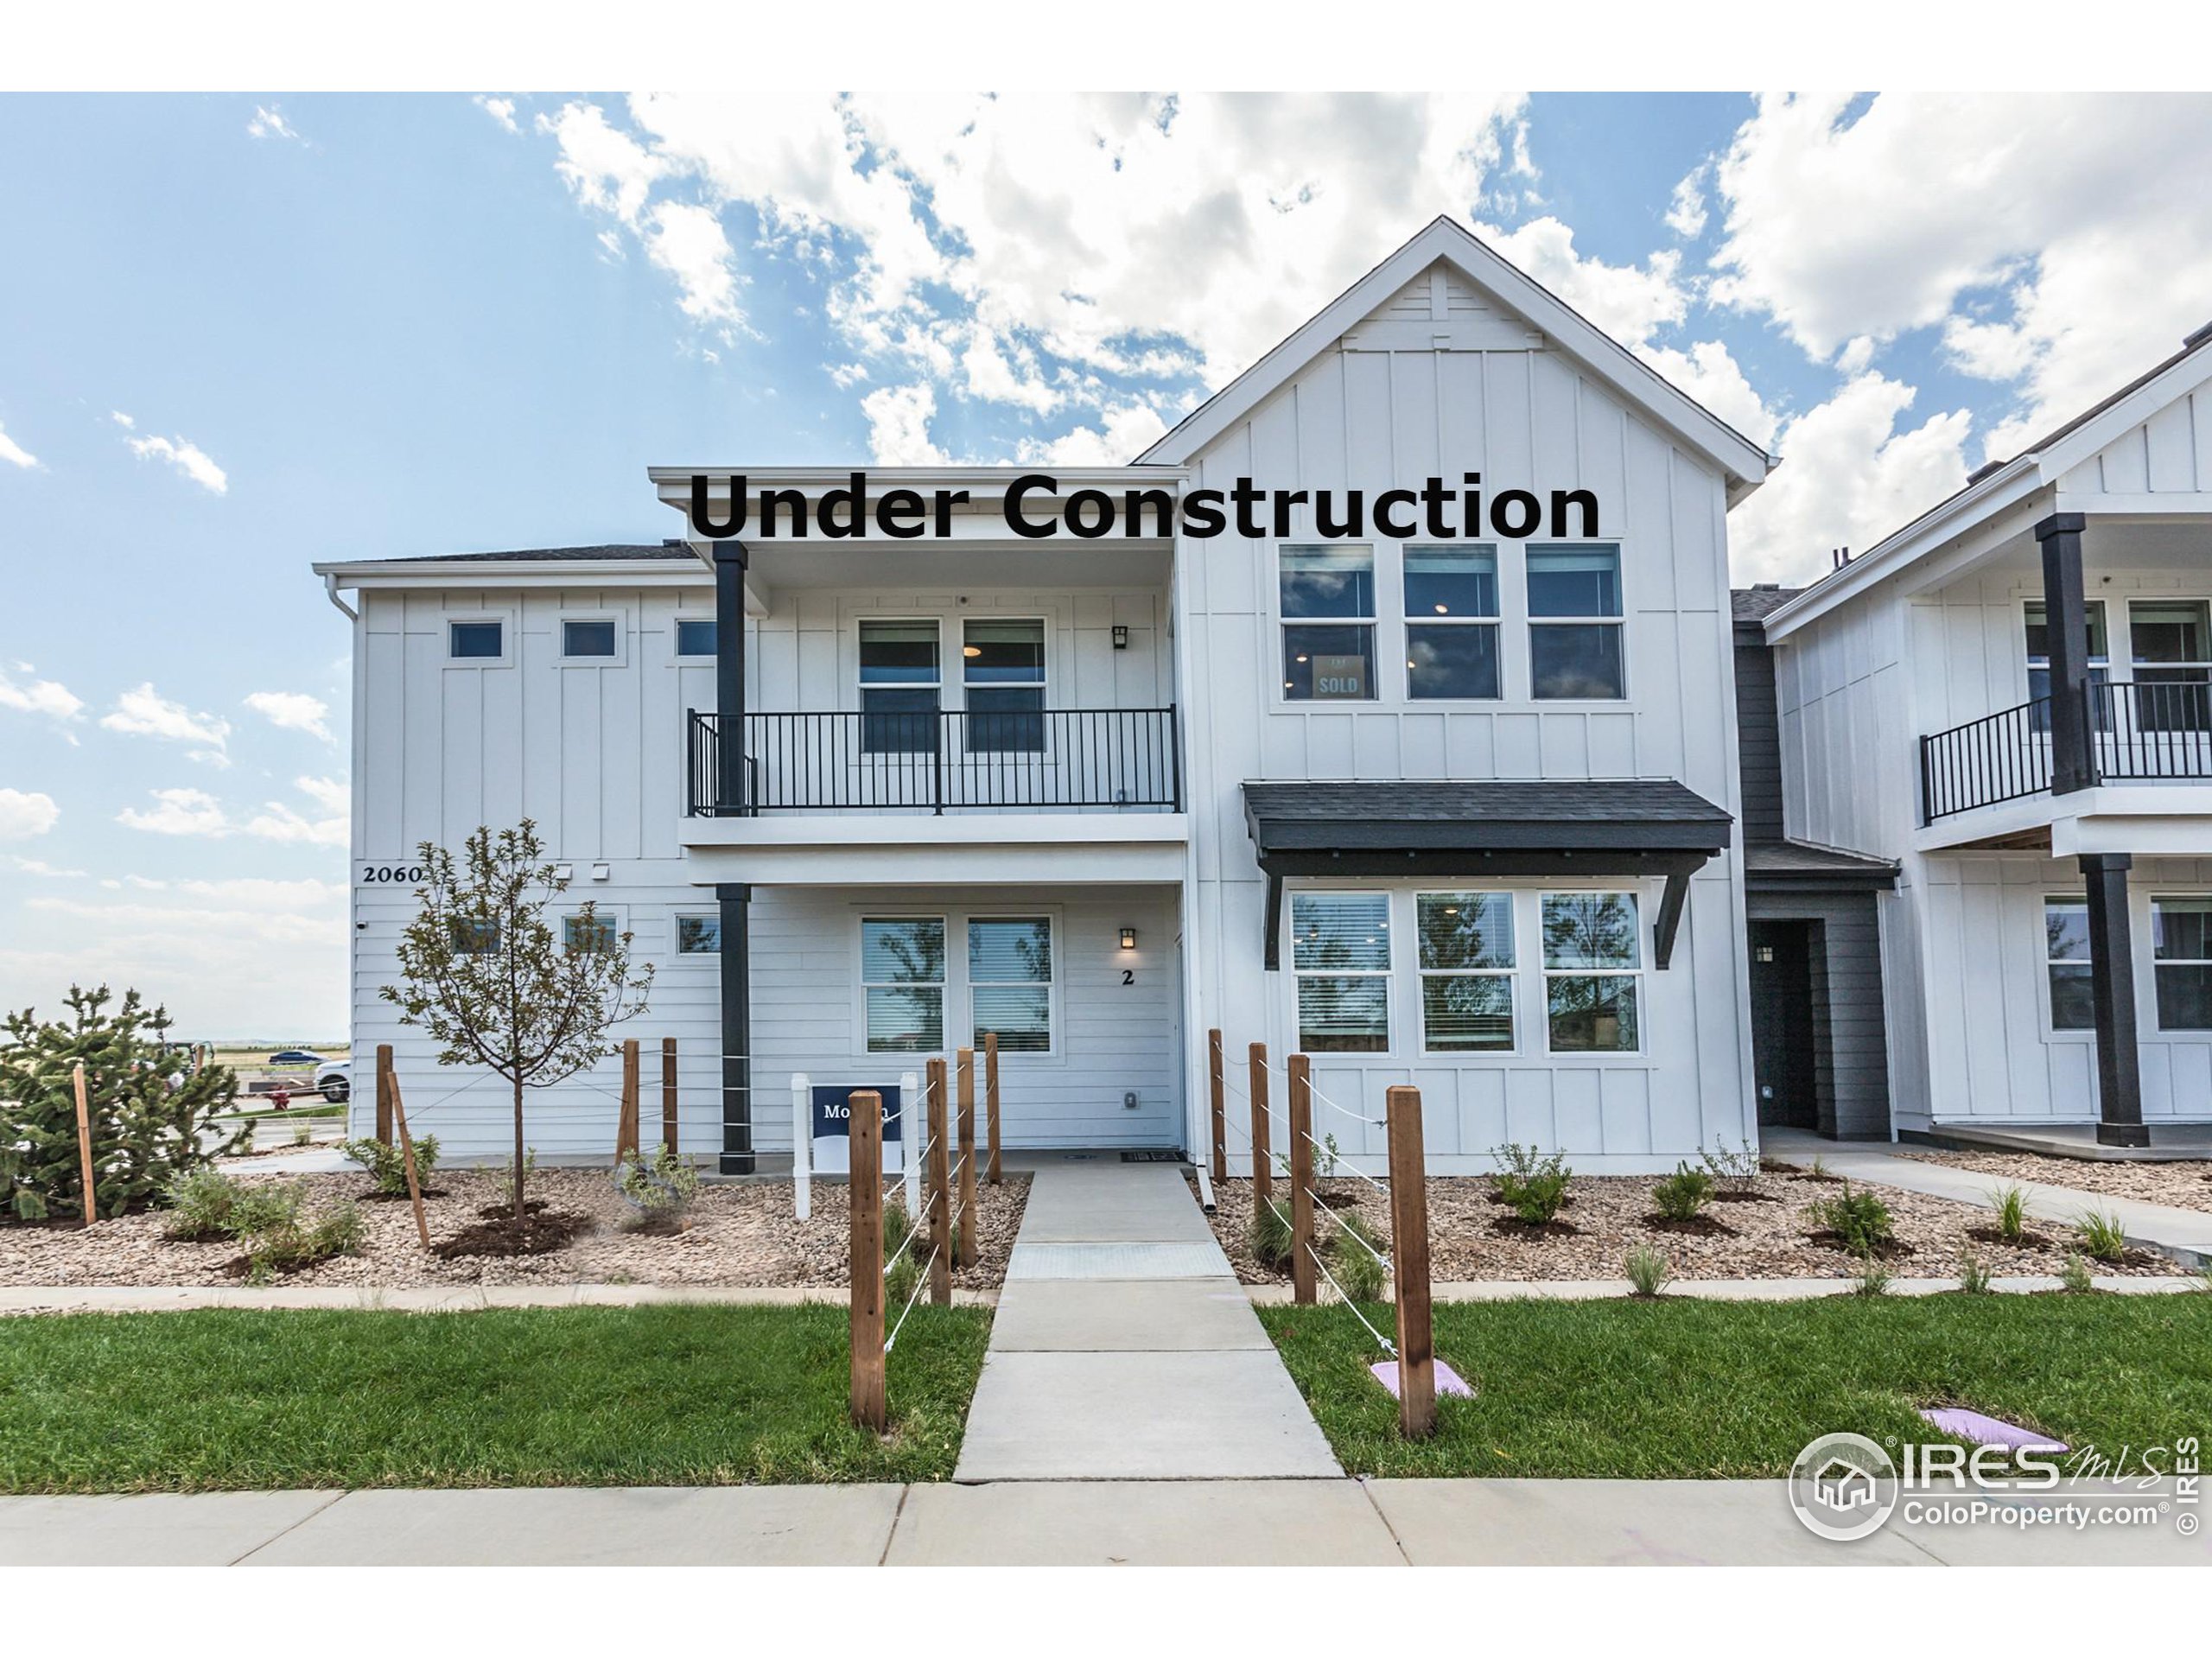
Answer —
1593 960
474 935
596 933
588 638
902 982
2181 961
1003 676
694 636
1451 622
2171 644
1575 649
1010 982
699 935
1466 971
1340 956
481 641
1327 594
2066 962
900 685
2037 623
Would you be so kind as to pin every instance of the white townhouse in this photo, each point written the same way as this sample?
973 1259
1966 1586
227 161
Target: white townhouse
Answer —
1457 809
2010 699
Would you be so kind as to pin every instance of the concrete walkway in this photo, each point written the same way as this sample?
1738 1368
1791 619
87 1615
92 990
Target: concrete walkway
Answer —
1340 1522
1124 1350
2186 1233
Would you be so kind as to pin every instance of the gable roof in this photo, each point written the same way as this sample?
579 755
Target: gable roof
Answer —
1744 463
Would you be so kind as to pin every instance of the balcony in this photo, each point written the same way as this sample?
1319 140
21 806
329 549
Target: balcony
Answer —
2139 731
934 762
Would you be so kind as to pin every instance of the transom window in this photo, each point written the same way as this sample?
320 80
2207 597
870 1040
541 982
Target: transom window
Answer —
1593 955
1003 674
1451 622
587 636
2181 961
698 935
899 687
1328 632
1574 622
902 979
478 640
1010 982
1340 954
694 636
2066 962
1466 971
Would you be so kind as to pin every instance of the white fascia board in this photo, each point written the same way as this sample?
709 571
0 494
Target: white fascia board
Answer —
1744 463
514 573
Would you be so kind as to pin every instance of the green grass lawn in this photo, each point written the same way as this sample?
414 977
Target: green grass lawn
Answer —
702 1395
1688 1389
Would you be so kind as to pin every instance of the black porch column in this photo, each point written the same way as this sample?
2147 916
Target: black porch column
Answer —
2066 619
735 900
2112 989
732 791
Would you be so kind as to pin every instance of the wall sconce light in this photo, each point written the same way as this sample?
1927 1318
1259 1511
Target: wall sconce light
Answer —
1128 938
1121 636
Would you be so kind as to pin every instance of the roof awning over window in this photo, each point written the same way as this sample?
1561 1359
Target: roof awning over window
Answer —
1469 831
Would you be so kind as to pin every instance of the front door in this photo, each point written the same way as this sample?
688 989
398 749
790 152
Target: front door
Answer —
1782 1024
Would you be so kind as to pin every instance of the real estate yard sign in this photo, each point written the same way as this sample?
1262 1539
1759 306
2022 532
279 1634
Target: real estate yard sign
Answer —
832 1117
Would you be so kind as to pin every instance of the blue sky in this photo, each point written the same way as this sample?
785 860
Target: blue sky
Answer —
259 331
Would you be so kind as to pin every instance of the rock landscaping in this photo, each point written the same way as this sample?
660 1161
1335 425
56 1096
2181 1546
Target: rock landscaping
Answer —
2185 1186
740 1234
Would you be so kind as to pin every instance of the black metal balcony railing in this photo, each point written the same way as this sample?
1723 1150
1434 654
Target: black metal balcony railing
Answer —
953 760
2137 730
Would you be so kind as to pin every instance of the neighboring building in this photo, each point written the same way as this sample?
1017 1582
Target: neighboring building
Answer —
2012 698
1456 811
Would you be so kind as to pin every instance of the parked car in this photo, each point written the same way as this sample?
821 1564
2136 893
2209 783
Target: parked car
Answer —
334 1078
295 1056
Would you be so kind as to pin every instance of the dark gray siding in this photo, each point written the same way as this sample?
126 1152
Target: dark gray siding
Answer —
1758 736
1851 1042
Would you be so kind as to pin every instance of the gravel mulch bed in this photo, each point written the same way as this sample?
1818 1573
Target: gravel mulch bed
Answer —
1770 1238
2185 1186
740 1235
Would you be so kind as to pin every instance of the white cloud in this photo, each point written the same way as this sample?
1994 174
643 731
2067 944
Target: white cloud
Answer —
178 812
13 454
279 822
1710 375
146 713
1630 303
1851 476
295 710
898 426
122 419
48 697
686 240
1686 213
24 814
39 867
268 122
501 110
1124 433
846 376
188 458
331 794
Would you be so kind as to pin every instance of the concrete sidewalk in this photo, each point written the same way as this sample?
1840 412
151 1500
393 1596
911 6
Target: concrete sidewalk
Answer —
2186 1233
1125 1349
1304 1522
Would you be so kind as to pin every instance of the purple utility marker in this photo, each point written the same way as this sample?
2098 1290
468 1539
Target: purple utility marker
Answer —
1990 1431
1447 1380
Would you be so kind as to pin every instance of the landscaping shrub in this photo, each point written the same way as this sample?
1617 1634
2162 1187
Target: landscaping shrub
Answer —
1648 1270
153 1120
1733 1171
1973 1277
1269 1238
901 1278
1682 1194
663 1190
1533 1186
292 1244
2102 1236
2012 1214
1356 1259
387 1165
1872 1279
1859 1221
210 1204
2075 1276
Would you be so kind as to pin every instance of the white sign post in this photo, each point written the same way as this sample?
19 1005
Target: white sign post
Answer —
803 1144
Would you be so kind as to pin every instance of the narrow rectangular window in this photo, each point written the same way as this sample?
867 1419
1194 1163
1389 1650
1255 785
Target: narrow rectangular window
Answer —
474 935
899 687
1574 622
1466 971
2066 958
2181 960
1451 622
694 636
587 636
2171 640
1593 953
1002 673
465 640
698 935
902 979
1328 628
1340 955
1010 982
593 933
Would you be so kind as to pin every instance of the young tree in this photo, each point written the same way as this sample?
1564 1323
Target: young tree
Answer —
487 977
152 1116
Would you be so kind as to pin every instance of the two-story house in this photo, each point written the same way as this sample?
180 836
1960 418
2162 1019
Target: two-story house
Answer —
1450 804
2010 699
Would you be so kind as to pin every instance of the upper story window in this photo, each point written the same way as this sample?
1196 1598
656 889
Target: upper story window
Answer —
1574 622
1327 595
902 980
593 932
899 687
474 935
587 638
699 935
1340 953
2066 962
1451 622
1002 675
476 641
2038 643
1593 954
694 636
2171 641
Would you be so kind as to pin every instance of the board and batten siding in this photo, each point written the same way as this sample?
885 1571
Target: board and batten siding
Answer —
1384 418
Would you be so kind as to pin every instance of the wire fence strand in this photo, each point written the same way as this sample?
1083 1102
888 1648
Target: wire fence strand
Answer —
1388 1346
921 1283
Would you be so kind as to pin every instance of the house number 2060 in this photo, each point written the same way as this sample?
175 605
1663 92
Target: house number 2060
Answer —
410 873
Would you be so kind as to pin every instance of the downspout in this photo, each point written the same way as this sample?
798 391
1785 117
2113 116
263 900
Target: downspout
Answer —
330 589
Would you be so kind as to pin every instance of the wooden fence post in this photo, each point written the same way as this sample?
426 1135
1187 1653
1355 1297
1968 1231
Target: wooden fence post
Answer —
383 1093
407 1162
1409 1264
85 1146
1220 1107
668 1131
866 1186
625 1123
968 1158
1303 1289
991 1102
1263 1177
940 1179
